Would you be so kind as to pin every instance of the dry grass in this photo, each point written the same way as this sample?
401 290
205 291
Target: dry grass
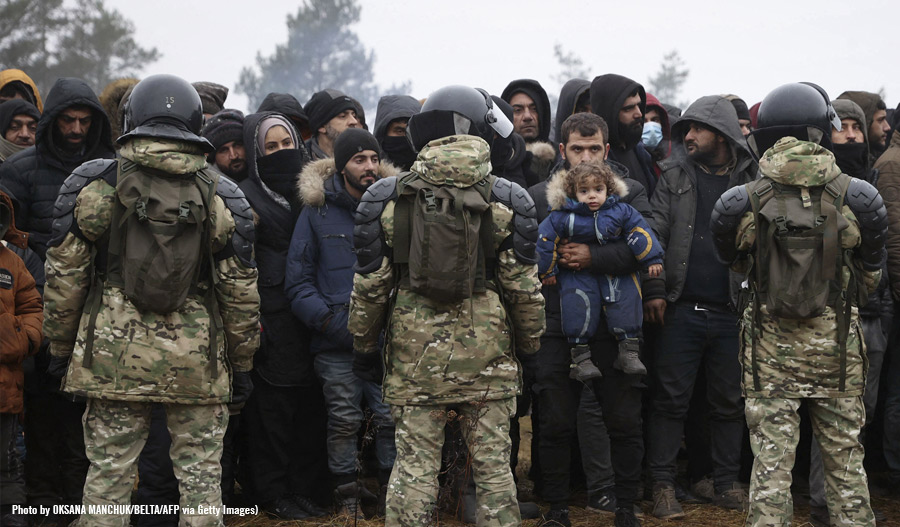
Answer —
696 515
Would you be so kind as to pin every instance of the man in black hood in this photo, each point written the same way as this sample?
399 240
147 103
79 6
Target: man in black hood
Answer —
622 102
393 114
73 129
876 118
694 301
531 120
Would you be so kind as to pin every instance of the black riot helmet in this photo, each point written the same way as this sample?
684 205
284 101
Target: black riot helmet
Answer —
456 110
164 106
800 109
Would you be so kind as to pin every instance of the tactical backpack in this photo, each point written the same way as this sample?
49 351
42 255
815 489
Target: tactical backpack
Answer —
798 263
157 249
443 242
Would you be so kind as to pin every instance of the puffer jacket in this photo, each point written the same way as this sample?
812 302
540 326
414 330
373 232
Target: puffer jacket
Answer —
35 174
319 270
21 315
447 353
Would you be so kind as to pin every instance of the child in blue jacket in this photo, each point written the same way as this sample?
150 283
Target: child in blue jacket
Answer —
586 208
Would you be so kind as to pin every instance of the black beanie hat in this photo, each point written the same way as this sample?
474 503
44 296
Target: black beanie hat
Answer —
743 112
324 105
223 127
351 142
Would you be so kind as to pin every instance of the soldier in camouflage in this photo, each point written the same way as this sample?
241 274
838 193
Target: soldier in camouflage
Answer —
803 359
194 359
456 360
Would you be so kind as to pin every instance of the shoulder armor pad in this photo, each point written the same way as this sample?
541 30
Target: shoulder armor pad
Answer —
244 235
525 224
64 207
368 238
729 209
862 197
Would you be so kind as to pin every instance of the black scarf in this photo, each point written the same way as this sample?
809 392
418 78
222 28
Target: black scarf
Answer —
852 159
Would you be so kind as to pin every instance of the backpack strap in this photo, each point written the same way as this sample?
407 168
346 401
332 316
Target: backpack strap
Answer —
834 256
758 197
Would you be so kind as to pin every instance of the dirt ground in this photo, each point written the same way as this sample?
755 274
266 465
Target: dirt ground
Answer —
696 515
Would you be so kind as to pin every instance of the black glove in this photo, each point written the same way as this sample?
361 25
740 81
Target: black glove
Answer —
241 387
58 366
368 366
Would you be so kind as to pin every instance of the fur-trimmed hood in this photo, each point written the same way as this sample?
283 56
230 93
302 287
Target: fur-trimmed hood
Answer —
311 187
556 190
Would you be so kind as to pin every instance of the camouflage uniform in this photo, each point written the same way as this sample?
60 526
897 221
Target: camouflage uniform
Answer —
458 356
139 358
800 359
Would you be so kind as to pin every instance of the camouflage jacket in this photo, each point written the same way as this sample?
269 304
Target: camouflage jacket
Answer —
801 358
438 353
147 356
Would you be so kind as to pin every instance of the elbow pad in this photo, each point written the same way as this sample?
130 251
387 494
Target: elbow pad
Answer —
244 235
726 217
525 224
368 237
64 207
868 206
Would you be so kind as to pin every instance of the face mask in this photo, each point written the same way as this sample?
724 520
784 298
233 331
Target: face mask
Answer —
652 134
398 151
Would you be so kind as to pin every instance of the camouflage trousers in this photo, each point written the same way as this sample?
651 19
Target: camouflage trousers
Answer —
774 431
114 435
413 489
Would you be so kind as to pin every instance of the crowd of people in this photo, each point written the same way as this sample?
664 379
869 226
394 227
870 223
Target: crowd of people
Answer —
622 294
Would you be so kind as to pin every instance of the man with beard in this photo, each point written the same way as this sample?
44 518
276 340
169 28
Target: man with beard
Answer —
697 314
73 129
318 282
330 112
531 120
391 119
876 118
18 125
622 103
583 139
225 131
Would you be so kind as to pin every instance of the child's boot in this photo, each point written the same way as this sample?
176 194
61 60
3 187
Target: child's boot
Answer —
629 359
583 369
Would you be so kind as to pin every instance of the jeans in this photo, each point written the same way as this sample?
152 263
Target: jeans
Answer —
688 338
344 393
620 399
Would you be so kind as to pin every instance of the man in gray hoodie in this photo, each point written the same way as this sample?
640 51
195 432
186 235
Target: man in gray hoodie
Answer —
697 313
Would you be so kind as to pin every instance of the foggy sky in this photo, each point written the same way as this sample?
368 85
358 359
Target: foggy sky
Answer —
747 48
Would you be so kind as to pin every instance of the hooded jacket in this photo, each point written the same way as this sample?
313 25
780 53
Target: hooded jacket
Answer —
12 75
36 174
319 272
287 104
869 103
543 153
391 108
610 259
568 100
608 94
21 316
446 353
674 203
282 359
8 110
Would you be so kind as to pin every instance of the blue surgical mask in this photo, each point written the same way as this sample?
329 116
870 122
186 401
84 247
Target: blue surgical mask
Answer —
652 134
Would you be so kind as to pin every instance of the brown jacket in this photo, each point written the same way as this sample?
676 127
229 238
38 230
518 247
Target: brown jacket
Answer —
888 166
21 316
